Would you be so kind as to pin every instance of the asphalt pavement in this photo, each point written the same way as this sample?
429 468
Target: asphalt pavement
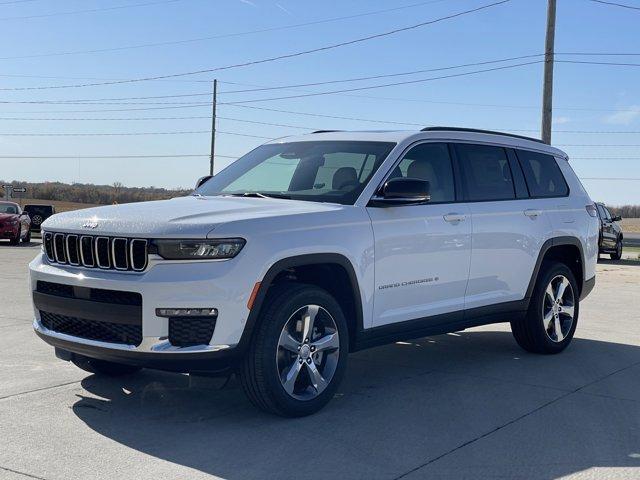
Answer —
468 405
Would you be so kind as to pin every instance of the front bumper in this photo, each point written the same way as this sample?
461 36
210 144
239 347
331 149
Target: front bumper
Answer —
162 285
9 231
152 353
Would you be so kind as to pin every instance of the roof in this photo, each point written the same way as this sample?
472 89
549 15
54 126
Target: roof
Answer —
431 133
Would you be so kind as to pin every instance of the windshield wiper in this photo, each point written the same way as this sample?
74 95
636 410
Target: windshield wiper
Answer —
260 195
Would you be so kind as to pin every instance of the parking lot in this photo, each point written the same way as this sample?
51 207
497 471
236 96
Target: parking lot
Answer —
465 405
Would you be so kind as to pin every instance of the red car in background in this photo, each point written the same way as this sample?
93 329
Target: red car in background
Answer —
14 223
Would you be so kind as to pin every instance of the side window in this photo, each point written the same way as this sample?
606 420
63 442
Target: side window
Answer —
603 215
486 172
607 213
543 175
430 162
353 162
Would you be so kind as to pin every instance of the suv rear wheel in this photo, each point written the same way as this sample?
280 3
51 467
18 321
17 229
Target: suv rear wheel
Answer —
299 351
551 320
102 367
617 254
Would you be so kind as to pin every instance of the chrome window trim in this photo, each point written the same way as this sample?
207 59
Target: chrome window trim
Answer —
55 248
66 246
146 254
95 245
113 253
91 246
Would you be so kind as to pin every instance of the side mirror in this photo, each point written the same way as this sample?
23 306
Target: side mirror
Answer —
616 218
403 191
202 180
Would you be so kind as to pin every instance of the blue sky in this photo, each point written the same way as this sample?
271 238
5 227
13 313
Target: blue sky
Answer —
592 98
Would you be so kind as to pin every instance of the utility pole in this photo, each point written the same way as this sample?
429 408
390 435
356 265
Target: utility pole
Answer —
547 94
213 127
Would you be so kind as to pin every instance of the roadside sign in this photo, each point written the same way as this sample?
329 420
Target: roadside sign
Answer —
19 190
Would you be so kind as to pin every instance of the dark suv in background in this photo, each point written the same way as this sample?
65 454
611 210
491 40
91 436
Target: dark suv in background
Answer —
38 214
610 240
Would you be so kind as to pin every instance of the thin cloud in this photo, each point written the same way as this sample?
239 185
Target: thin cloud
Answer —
626 117
248 2
561 120
288 12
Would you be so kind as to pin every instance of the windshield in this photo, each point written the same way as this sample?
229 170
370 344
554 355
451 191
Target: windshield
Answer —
8 208
320 171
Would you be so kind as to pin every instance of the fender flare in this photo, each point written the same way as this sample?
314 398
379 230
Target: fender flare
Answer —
546 246
298 261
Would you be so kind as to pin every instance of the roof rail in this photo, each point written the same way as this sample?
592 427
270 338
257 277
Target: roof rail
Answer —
476 130
326 131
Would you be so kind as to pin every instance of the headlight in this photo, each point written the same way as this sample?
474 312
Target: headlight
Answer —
199 249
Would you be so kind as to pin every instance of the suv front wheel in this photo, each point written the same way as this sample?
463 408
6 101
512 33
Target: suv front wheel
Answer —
552 317
299 351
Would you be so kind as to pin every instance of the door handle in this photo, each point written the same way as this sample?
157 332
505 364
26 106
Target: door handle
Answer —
454 217
531 213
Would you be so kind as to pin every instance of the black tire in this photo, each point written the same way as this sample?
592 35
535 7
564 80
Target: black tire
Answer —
617 255
102 367
530 332
260 376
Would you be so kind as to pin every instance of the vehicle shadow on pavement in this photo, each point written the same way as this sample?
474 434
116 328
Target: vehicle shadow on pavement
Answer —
464 405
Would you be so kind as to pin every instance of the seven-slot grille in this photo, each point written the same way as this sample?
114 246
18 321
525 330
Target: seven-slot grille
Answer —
107 253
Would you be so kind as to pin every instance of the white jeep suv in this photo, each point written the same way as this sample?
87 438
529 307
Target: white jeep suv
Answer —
311 247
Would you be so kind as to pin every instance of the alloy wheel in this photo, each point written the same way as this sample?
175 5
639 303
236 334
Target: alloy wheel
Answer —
308 352
558 308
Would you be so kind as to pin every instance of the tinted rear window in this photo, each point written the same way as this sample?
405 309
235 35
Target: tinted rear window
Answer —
486 172
543 175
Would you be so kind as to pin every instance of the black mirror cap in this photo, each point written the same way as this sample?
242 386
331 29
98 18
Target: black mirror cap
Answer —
407 188
202 180
616 218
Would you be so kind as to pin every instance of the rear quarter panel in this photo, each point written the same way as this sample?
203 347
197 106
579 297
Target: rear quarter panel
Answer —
569 217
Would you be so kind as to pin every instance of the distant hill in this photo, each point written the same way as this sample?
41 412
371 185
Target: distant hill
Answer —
88 193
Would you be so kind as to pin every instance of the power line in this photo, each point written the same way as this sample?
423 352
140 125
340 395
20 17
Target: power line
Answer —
599 54
92 10
615 4
82 157
600 63
114 134
374 77
272 59
280 87
224 35
97 101
108 79
356 89
320 115
119 119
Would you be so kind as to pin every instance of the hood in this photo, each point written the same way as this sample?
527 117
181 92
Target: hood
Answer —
8 216
182 217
